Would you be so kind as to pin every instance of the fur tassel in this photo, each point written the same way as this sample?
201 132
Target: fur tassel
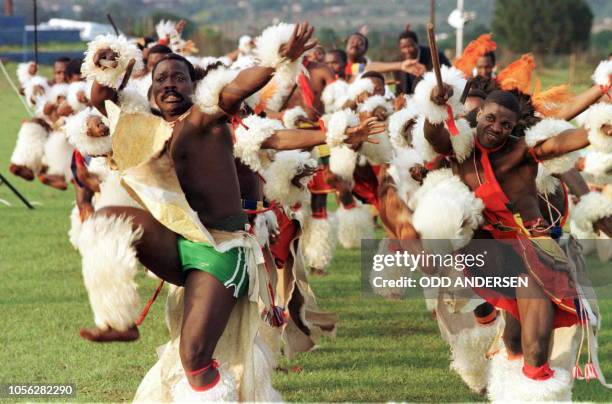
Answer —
58 155
209 89
501 369
109 268
278 176
76 130
422 145
599 165
342 161
474 50
444 192
463 143
334 96
602 73
378 153
112 193
596 116
354 225
132 102
521 388
56 91
318 242
401 164
422 94
264 363
35 100
248 141
397 126
359 87
225 390
545 182
23 74
290 117
73 95
375 101
30 147
517 75
546 129
337 125
592 207
111 77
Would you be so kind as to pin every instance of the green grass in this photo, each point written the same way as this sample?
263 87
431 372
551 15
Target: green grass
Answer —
48 47
385 350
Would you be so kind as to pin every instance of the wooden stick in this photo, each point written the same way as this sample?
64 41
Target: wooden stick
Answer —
35 33
466 90
432 12
433 49
110 19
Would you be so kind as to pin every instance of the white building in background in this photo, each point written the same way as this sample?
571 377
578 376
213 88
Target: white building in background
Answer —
88 30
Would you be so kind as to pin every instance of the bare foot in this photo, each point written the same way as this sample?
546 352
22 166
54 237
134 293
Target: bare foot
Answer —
110 335
22 171
54 181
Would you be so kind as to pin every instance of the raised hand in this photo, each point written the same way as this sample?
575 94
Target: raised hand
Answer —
441 97
299 43
106 58
362 132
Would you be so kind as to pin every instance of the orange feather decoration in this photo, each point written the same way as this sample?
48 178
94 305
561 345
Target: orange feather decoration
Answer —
475 49
517 75
549 102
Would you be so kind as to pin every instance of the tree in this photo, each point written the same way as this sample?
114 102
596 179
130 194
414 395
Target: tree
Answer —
543 26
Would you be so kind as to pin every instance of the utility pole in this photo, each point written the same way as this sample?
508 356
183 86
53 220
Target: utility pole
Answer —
8 8
459 39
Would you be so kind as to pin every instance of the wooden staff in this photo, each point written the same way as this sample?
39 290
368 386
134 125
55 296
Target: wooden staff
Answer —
466 90
433 48
35 33
432 12
110 19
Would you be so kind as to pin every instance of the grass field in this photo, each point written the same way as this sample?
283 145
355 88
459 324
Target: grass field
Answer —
384 351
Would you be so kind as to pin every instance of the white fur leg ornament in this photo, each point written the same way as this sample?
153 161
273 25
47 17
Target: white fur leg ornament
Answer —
337 125
248 141
545 182
225 390
342 161
602 73
359 87
545 129
58 155
291 116
422 145
501 370
597 116
592 207
468 353
208 90
75 227
286 165
318 242
422 94
132 101
378 153
599 165
110 77
401 164
463 142
264 362
397 126
444 192
30 146
374 102
74 90
354 224
109 267
76 130
334 96
520 388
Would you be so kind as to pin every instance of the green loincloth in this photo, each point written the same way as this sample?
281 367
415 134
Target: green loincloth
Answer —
229 268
